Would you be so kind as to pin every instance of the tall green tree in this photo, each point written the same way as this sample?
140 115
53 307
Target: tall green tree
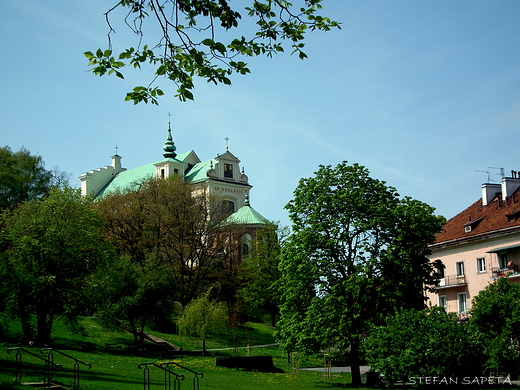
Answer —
134 295
203 38
496 314
183 229
22 177
350 259
259 270
54 245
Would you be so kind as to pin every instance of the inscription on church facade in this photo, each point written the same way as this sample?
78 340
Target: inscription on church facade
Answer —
231 190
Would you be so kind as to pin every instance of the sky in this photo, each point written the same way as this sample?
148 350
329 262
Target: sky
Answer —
425 94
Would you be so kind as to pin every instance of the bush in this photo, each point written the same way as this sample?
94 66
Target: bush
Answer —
496 314
424 343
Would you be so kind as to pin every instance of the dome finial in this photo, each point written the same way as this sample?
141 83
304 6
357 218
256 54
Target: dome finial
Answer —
246 200
169 147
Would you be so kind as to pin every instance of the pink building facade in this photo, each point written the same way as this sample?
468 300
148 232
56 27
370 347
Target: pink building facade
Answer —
477 246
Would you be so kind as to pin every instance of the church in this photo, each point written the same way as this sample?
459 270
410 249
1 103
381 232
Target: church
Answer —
220 176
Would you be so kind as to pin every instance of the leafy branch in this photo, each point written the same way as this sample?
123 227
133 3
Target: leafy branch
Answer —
187 45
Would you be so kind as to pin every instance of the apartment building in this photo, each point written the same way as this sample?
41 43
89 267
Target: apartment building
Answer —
477 246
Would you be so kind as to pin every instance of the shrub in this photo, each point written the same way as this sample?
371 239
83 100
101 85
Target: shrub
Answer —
424 343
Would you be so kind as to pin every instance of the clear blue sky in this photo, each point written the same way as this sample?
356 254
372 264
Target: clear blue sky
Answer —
423 93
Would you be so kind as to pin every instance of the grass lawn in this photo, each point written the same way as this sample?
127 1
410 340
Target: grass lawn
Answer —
118 369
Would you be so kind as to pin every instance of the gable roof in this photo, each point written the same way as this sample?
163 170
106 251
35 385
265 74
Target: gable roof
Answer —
478 221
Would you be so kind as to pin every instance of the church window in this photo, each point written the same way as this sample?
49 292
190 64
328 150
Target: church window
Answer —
229 206
245 250
228 170
162 173
176 171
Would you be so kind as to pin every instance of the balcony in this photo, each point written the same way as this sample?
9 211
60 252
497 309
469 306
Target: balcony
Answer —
451 281
512 272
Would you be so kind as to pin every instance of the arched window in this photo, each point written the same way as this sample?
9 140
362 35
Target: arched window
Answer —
245 246
245 250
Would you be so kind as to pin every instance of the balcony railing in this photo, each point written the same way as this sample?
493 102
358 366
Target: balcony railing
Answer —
452 280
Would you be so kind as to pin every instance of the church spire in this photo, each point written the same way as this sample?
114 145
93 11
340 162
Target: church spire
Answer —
169 147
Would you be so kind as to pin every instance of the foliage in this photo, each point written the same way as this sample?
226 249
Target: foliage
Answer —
194 39
22 177
349 255
496 313
54 245
259 271
135 294
202 315
181 228
420 343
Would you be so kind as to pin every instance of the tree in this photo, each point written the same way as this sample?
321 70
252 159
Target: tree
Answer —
134 295
349 257
182 228
22 177
54 245
496 314
194 39
204 314
259 270
424 343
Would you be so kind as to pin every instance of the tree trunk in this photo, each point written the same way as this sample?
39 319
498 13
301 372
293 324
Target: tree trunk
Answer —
355 365
26 325
44 328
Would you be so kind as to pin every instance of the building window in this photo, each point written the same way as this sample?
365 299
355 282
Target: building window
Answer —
461 298
502 261
460 268
481 265
229 206
162 173
245 250
228 171
439 270
443 302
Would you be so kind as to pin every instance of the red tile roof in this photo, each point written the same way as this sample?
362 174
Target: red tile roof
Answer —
496 216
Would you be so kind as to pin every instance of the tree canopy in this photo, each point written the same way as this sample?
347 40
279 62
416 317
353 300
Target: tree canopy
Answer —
54 245
22 177
357 251
496 313
183 229
203 38
420 343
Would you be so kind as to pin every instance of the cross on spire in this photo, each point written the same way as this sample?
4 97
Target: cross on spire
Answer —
117 148
227 146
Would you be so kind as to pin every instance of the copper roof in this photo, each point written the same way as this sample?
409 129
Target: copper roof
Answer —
477 220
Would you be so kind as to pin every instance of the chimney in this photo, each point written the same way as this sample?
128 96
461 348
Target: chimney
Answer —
509 186
489 191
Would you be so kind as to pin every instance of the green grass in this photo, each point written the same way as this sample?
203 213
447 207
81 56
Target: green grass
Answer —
118 369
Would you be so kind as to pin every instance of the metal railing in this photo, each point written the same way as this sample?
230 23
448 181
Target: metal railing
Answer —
48 368
50 355
451 280
196 378
167 377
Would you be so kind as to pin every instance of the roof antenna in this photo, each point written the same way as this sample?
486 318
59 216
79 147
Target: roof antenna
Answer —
488 174
501 171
